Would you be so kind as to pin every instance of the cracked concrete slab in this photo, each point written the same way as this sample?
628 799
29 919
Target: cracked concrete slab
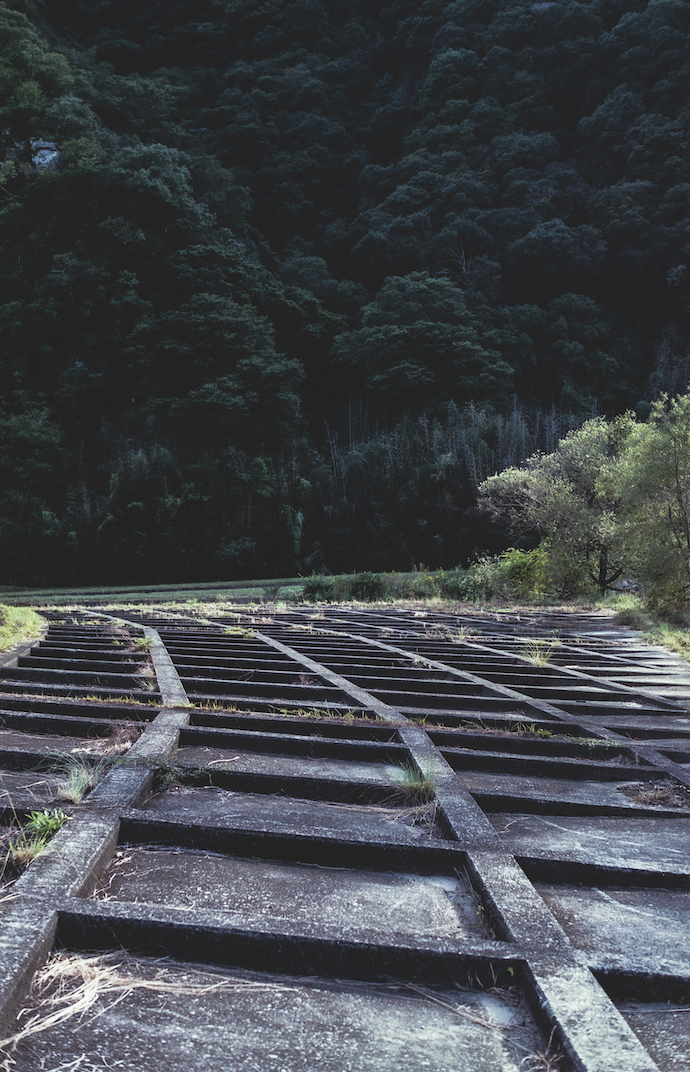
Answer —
651 842
638 924
283 813
246 1023
336 901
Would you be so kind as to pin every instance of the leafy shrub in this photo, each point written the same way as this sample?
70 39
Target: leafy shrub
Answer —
527 572
424 586
633 617
366 587
317 589
514 574
483 580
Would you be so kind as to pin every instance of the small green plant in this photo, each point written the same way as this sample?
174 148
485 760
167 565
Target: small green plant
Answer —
239 631
140 643
482 917
46 823
25 841
530 729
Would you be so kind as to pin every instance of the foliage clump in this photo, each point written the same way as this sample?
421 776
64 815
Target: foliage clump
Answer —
18 625
611 503
360 587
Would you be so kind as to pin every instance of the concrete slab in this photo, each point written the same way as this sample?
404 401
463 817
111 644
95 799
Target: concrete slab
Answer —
292 766
253 811
663 1029
173 1017
26 789
640 841
335 901
646 725
331 888
635 923
601 797
50 744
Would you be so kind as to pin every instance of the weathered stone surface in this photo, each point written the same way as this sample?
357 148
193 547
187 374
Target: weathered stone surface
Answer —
338 901
664 1029
644 926
246 1023
283 813
641 841
553 858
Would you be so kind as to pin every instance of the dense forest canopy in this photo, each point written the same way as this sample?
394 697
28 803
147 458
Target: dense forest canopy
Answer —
287 276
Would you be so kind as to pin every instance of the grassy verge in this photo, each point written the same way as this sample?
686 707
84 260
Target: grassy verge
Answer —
279 588
453 591
674 637
629 610
19 625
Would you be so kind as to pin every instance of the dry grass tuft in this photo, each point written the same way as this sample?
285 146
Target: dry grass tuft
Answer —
547 1061
539 652
661 793
70 986
80 774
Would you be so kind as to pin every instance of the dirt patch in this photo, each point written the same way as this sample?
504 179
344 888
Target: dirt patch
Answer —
662 793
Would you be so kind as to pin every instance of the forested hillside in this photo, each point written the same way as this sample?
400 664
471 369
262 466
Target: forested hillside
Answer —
284 275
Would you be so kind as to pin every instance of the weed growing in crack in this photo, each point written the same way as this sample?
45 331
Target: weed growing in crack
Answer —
482 917
166 775
80 774
146 678
121 739
661 793
92 697
547 1061
455 635
325 713
231 709
25 841
539 652
529 729
413 786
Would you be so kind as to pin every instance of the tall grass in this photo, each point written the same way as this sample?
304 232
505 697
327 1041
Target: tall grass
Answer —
18 625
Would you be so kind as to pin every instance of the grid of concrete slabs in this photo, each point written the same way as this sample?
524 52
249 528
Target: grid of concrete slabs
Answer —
348 839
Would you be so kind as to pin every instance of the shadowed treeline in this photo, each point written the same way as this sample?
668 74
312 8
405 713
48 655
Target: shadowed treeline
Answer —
299 274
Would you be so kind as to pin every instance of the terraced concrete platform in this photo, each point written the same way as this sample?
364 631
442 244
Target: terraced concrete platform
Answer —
344 839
